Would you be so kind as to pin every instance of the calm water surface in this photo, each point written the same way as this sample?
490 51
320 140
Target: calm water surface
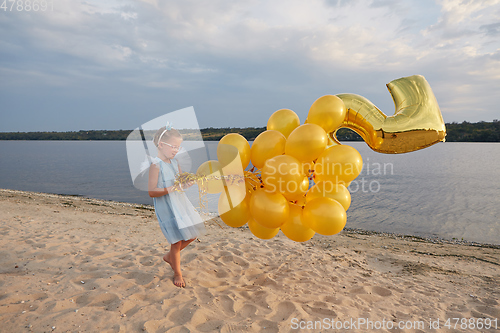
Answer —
448 190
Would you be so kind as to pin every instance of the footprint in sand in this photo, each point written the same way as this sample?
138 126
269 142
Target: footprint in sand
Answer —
487 311
108 300
236 251
248 311
221 273
214 325
203 294
226 258
154 326
133 311
94 253
122 264
284 311
83 300
249 273
227 304
264 280
268 326
458 308
148 261
375 290
125 261
319 310
139 277
183 315
381 291
241 262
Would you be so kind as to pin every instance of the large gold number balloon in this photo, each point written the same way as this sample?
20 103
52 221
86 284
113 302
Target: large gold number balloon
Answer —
417 122
234 206
295 228
328 112
212 170
267 145
306 142
338 164
332 190
260 231
284 121
325 216
226 155
283 174
269 209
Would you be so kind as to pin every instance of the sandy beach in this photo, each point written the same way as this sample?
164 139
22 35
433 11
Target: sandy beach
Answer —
73 264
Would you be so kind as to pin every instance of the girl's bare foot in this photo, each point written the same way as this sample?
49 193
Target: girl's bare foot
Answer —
179 281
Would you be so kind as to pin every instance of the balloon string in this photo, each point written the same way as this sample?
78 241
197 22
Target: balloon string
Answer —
202 192
185 178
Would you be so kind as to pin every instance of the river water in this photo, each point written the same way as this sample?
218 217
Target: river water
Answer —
449 190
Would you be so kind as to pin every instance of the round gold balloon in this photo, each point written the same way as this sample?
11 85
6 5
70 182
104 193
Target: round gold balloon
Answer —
325 216
338 164
235 192
225 155
269 209
330 190
294 228
267 145
260 231
306 142
296 193
417 122
307 167
328 112
233 208
229 159
212 170
284 121
301 201
283 174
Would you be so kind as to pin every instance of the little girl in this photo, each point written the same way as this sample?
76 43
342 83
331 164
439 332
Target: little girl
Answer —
179 221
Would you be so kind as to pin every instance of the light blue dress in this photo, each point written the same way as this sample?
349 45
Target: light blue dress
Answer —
178 218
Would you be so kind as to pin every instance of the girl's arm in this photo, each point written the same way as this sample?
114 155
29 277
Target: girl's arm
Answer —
153 190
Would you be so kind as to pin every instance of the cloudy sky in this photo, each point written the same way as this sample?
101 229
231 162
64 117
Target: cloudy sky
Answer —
117 64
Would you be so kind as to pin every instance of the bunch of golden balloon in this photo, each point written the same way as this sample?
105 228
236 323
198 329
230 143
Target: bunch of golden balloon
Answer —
275 194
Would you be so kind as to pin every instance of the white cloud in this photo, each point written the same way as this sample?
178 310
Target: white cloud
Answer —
262 47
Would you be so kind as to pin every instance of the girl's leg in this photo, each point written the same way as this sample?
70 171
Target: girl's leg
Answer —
184 243
175 262
173 257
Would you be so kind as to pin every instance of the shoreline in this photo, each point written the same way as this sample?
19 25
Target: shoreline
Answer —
416 238
71 264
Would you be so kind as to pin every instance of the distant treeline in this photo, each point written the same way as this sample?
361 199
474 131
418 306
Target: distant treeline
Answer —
473 132
456 132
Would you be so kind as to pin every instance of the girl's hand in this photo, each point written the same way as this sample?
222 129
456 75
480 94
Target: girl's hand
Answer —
188 184
182 186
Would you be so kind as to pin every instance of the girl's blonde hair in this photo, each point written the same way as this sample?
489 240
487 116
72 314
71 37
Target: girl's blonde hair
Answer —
163 135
